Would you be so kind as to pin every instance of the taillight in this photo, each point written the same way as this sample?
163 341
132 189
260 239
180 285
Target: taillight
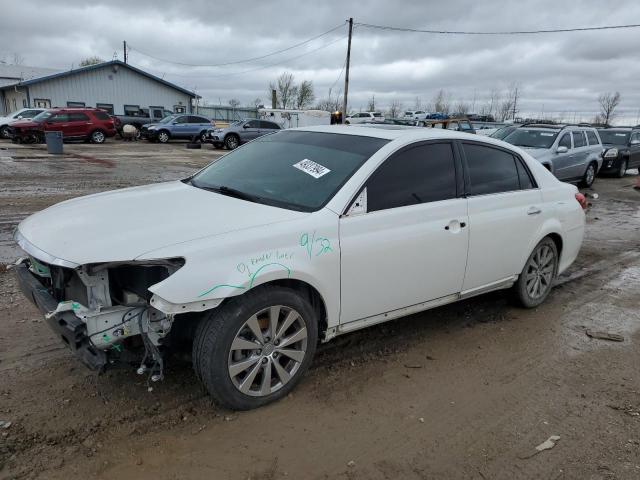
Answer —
582 200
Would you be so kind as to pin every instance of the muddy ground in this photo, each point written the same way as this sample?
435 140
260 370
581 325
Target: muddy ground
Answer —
463 391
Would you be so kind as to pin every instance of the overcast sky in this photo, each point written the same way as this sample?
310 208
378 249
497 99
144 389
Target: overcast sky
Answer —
563 72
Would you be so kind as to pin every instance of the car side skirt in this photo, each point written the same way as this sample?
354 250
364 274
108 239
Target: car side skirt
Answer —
419 307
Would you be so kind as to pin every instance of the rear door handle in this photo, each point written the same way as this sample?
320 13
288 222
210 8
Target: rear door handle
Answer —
534 211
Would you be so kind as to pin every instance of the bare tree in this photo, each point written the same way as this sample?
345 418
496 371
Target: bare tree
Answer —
608 103
371 104
395 109
330 103
286 90
304 94
442 102
256 102
507 105
461 109
85 62
17 59
234 103
417 104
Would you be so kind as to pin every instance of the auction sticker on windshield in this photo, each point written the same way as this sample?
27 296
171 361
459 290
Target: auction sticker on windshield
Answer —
312 168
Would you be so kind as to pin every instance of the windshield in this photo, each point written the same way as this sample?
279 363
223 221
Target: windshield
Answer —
526 137
502 132
614 138
41 117
291 169
167 119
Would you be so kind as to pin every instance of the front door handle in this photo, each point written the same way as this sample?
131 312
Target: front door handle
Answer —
455 226
534 211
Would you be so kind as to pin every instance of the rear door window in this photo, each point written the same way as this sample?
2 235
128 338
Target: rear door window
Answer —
418 174
268 125
578 139
490 170
78 117
592 137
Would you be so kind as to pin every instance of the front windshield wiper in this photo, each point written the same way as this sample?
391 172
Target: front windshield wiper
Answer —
229 191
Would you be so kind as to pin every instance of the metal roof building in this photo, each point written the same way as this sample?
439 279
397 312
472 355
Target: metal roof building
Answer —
114 86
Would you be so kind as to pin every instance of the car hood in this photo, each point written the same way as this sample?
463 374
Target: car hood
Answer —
536 153
122 225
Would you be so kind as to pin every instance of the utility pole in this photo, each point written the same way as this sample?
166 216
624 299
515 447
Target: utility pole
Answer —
515 103
346 72
124 44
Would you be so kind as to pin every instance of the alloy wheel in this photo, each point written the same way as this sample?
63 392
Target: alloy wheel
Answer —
97 137
163 137
590 175
267 351
539 271
232 142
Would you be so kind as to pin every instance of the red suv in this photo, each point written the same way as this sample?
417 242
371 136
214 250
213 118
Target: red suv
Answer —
90 124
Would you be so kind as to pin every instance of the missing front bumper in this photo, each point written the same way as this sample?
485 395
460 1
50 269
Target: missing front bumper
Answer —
65 325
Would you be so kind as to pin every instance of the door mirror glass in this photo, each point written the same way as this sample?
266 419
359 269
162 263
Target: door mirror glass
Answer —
246 125
562 149
635 141
20 117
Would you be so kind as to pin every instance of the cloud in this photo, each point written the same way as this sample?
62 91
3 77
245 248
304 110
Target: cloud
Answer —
562 72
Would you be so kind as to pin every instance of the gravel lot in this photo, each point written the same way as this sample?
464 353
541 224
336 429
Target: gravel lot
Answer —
463 391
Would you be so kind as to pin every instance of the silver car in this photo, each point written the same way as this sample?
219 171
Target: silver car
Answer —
241 132
571 153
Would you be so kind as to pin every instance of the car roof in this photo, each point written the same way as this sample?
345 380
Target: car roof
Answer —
385 132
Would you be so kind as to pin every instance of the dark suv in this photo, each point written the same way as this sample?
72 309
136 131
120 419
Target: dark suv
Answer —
89 124
622 149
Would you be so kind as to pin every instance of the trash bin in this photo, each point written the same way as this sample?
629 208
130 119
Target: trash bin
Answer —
54 142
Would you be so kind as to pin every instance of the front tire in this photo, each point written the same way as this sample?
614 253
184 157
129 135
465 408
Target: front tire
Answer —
203 136
535 281
256 347
163 136
97 136
623 169
589 175
232 141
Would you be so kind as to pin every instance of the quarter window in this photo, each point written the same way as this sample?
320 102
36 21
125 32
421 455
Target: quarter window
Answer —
490 170
526 182
578 139
593 139
419 174
565 141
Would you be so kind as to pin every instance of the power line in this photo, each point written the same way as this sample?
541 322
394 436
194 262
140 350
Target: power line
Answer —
262 67
246 60
513 32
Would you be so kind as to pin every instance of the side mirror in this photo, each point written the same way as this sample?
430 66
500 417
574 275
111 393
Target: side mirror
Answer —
635 141
20 117
246 125
562 149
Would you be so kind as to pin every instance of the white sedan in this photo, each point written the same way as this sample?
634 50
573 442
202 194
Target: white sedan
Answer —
295 238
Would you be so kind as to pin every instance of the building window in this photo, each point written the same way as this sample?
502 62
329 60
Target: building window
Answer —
156 112
15 105
41 103
179 109
24 103
75 104
133 110
107 107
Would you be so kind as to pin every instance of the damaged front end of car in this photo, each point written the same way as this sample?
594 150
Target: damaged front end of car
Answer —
102 310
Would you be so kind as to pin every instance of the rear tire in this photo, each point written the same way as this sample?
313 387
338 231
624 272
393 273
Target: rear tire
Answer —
240 350
589 175
4 131
537 276
623 169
